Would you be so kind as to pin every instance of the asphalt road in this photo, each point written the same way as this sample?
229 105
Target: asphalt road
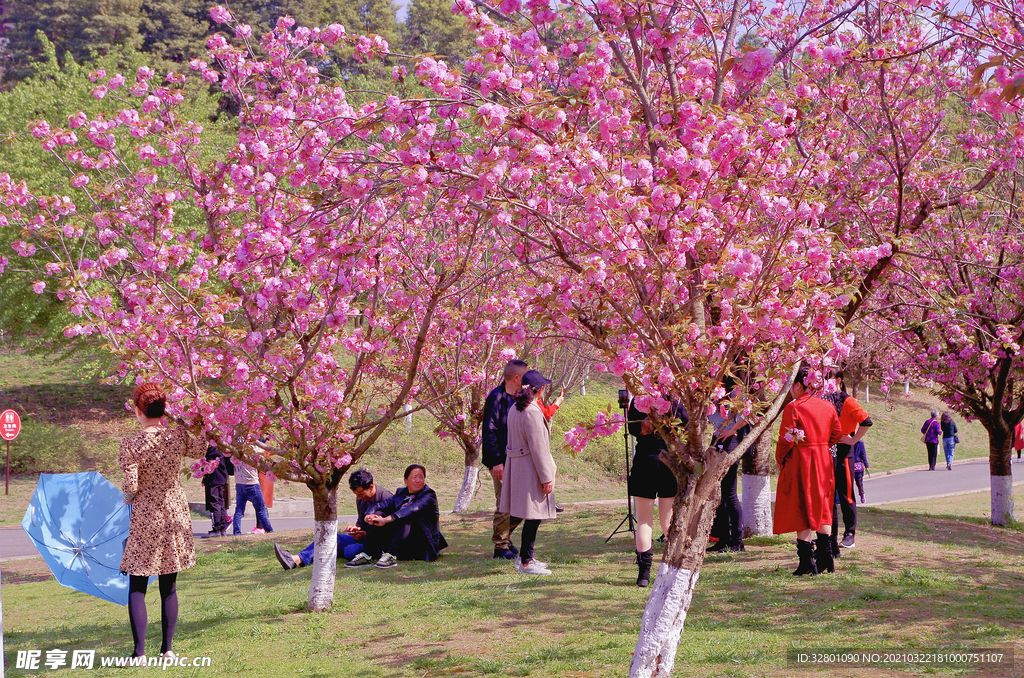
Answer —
914 483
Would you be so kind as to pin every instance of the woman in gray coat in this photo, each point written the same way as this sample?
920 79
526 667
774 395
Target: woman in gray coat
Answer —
529 481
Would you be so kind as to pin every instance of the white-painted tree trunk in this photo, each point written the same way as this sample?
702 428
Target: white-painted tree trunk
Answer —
757 505
325 565
1002 499
408 417
867 392
662 623
468 491
906 388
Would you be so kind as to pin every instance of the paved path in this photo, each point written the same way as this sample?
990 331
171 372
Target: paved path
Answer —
920 483
895 486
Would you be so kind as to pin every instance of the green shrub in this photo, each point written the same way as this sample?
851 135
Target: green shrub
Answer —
47 448
606 454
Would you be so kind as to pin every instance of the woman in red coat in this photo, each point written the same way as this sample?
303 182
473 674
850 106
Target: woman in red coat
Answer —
804 496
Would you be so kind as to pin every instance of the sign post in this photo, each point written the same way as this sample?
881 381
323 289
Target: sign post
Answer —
10 427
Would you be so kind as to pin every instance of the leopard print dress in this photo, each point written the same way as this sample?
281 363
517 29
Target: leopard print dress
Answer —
160 536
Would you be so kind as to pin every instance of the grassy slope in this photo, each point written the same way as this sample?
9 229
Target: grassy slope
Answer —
913 583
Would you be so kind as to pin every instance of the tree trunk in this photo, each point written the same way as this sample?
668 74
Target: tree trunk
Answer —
757 489
1000 444
471 447
662 624
325 548
468 491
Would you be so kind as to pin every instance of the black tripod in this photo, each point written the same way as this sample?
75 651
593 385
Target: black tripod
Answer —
628 441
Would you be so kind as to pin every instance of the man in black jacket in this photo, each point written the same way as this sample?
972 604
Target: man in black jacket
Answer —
494 440
216 485
358 544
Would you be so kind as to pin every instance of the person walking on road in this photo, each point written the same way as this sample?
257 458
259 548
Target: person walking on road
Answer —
1018 438
930 432
949 438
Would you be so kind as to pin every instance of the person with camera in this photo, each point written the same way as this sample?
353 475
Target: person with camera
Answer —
649 480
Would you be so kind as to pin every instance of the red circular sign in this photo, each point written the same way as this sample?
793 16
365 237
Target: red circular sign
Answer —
10 424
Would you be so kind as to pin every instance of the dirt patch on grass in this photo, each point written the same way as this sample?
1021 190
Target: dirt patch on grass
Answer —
24 571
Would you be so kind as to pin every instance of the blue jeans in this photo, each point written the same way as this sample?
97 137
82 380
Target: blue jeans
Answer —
949 446
254 494
348 547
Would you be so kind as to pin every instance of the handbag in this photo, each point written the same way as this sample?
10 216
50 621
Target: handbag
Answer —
956 438
922 438
858 466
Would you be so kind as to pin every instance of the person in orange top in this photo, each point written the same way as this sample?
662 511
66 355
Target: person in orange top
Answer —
854 423
806 488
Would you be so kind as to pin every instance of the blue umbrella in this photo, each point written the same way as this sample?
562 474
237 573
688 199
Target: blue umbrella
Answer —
79 523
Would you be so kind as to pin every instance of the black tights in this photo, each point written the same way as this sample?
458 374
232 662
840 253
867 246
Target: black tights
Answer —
137 610
529 537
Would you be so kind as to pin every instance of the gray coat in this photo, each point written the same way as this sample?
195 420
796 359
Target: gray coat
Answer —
528 464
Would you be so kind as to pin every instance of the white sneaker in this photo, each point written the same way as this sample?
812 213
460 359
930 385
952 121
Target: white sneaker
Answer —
257 530
533 568
519 562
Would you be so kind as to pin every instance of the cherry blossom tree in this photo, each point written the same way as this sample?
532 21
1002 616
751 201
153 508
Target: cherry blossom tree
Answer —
283 295
686 199
955 312
690 206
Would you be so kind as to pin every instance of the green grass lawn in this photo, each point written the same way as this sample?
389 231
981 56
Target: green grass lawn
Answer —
914 582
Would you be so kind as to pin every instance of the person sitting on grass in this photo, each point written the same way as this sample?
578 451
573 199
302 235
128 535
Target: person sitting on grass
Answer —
359 544
413 514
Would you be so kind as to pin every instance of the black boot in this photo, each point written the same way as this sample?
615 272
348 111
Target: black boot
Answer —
823 553
833 544
805 549
643 561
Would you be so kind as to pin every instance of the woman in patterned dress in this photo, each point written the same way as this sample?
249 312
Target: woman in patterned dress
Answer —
160 537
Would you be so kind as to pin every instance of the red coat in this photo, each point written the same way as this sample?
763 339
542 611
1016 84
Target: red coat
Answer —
806 489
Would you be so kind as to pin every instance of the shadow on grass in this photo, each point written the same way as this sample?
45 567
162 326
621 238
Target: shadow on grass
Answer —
946 530
49 402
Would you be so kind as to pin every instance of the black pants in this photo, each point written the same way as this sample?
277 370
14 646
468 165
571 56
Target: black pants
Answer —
378 539
217 505
529 538
845 497
728 516
933 452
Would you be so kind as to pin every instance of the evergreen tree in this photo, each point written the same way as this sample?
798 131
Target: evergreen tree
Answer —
78 27
175 30
433 27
